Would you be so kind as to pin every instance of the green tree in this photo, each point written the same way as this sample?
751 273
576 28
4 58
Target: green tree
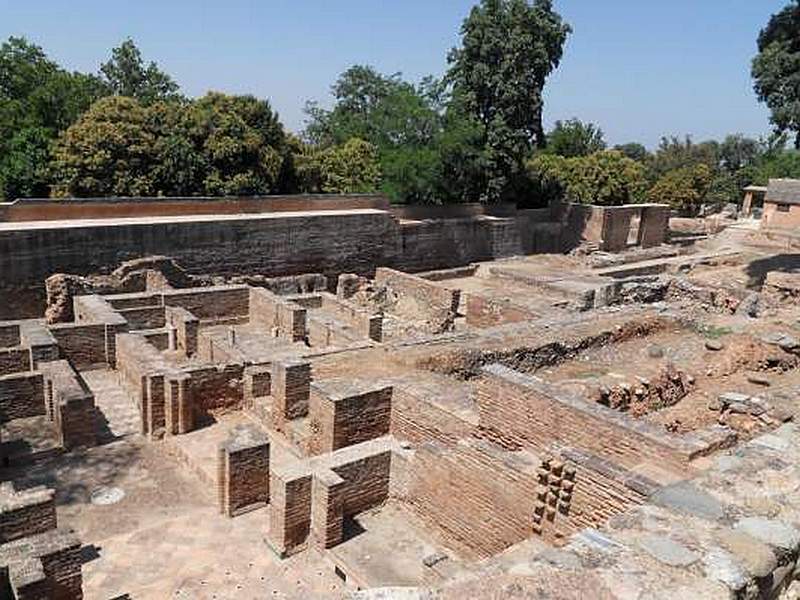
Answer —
109 151
776 69
405 123
634 151
38 100
684 189
674 153
574 138
605 178
126 74
242 143
351 168
508 49
737 152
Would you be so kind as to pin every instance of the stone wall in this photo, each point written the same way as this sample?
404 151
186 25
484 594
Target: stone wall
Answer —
420 300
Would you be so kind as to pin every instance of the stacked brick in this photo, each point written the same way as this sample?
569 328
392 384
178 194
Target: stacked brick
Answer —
243 471
553 498
343 413
40 561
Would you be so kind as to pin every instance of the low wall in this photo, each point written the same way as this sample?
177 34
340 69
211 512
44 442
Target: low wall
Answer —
21 396
45 209
780 216
420 300
523 412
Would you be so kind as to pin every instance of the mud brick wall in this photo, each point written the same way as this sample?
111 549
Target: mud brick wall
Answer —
616 227
55 557
14 360
25 513
291 388
439 244
324 331
213 303
485 312
475 501
366 481
289 510
72 404
346 418
21 396
146 317
416 420
9 335
419 299
602 490
654 226
327 509
243 471
366 325
273 313
186 328
216 388
104 208
82 345
522 412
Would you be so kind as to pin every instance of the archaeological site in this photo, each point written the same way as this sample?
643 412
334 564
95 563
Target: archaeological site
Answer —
332 397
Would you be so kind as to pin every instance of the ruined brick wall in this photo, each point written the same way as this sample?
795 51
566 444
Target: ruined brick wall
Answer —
521 412
474 500
145 317
420 300
273 313
654 226
14 360
616 227
83 345
21 396
213 303
439 244
485 312
26 513
417 420
366 482
9 335
70 404
337 422
363 323
218 388
186 327
289 511
243 474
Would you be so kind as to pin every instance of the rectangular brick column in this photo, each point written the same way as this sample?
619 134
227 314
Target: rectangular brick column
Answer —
289 510
291 384
243 471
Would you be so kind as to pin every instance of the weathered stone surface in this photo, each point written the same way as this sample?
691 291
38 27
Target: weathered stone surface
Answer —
753 555
668 551
685 497
774 533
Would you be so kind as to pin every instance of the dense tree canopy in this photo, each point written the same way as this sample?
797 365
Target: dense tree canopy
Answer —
606 178
573 138
126 74
684 189
776 69
508 49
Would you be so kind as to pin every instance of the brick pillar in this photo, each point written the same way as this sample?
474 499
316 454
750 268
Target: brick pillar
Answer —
327 509
289 511
243 470
291 384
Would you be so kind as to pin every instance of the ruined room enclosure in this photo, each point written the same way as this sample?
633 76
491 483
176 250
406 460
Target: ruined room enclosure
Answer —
309 436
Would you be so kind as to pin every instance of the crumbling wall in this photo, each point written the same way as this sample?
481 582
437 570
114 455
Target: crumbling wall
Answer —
21 396
427 304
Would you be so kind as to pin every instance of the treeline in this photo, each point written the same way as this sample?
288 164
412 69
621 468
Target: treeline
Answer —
127 131
577 165
474 135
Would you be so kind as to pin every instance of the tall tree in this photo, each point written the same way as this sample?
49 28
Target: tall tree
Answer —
38 100
128 75
574 138
508 49
776 69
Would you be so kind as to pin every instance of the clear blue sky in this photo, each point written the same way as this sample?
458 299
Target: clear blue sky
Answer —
639 68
